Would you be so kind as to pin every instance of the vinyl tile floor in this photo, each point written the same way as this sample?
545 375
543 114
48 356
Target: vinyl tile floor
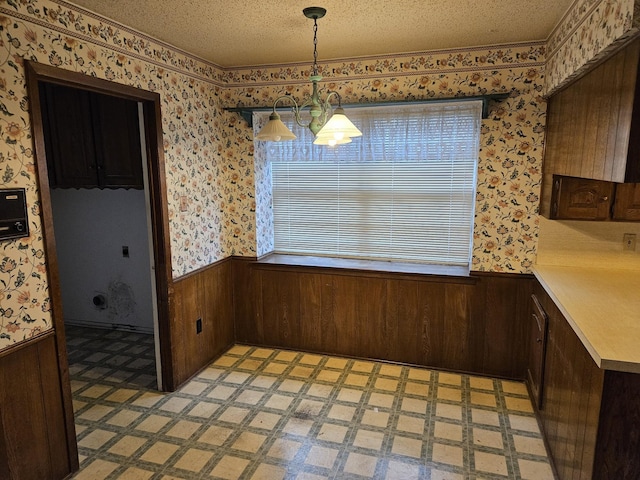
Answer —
261 413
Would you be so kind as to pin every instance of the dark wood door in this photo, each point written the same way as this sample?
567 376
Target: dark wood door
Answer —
68 132
117 139
581 199
627 203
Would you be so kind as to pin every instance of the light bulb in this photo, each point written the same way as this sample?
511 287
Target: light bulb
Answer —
338 135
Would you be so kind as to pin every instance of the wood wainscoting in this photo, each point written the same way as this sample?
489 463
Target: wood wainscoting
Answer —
473 324
205 295
36 439
37 435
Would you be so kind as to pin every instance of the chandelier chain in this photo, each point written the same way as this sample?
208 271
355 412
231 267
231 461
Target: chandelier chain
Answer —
315 46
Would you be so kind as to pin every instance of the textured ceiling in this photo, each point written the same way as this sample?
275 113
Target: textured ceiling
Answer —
234 33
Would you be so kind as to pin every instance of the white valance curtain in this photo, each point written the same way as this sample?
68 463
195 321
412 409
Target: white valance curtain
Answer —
404 191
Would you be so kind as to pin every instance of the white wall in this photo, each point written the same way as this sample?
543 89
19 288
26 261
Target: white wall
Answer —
91 227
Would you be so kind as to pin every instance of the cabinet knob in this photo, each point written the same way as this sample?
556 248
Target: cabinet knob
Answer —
538 340
604 199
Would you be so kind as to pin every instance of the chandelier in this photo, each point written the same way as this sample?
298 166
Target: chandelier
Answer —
334 130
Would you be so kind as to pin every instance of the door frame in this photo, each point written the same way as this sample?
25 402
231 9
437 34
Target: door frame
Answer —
37 72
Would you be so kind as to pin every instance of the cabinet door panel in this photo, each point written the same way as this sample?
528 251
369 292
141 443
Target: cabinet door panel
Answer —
581 199
118 150
627 204
68 135
538 341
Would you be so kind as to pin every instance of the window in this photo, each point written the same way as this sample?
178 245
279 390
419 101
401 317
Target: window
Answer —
403 192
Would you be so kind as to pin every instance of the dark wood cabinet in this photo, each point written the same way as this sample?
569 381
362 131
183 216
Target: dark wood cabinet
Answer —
117 141
593 129
589 416
593 125
627 202
537 349
92 140
69 136
581 199
584 199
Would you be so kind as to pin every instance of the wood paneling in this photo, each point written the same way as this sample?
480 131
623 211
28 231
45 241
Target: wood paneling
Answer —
34 442
618 452
206 295
474 324
503 302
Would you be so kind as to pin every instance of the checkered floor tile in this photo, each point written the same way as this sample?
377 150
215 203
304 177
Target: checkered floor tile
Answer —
259 413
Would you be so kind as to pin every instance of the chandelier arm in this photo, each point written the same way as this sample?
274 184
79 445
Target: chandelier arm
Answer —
333 92
308 101
289 97
295 108
327 107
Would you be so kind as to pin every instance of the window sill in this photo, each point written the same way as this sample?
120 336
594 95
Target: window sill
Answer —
369 265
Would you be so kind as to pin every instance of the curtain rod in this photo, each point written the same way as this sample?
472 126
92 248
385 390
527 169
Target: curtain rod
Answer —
247 112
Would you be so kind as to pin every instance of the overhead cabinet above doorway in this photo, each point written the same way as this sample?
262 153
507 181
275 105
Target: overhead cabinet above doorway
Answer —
92 140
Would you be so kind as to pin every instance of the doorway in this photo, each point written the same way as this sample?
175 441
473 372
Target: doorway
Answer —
155 198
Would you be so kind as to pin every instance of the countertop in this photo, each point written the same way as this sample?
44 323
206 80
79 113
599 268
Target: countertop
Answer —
602 306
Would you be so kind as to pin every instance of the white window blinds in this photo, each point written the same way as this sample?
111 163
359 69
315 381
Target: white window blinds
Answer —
402 192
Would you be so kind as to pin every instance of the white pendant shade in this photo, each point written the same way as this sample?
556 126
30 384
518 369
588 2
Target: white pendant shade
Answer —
275 130
339 127
331 141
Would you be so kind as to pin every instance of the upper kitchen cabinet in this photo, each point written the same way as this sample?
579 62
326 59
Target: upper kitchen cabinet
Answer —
92 140
585 199
581 199
593 125
627 204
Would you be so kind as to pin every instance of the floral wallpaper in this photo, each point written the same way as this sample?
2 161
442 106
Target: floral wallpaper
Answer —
198 172
588 31
218 196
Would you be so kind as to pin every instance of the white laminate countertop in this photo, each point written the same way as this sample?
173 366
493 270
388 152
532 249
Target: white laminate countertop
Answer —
603 307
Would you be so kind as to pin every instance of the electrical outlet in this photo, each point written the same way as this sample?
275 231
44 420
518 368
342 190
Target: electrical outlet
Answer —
199 325
629 242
